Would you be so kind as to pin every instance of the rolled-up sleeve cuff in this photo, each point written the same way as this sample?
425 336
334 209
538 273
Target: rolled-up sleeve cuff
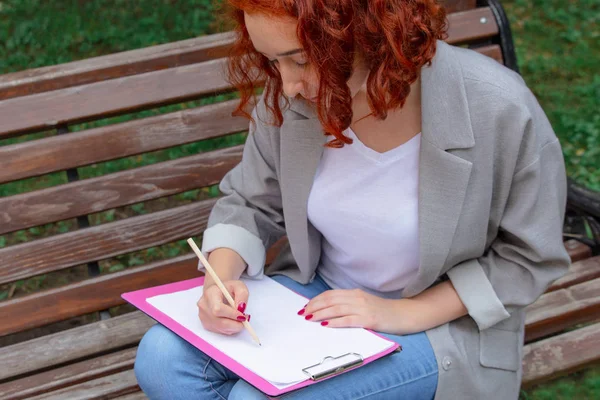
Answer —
238 239
477 294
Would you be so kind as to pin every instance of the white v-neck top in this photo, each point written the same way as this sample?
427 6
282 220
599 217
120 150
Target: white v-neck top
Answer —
365 204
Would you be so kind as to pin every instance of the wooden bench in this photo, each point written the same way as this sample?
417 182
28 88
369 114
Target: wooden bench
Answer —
72 341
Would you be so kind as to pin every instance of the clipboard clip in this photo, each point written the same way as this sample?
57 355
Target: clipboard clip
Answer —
333 365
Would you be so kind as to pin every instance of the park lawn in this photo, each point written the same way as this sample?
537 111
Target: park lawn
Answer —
556 42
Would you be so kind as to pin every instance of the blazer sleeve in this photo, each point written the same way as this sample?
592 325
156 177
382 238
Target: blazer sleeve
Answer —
528 253
249 217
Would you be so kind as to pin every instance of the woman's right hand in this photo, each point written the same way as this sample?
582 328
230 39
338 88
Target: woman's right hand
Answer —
217 315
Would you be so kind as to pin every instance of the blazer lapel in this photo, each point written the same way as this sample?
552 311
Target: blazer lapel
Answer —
302 143
443 176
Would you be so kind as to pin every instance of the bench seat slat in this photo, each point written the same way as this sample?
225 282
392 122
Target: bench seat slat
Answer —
73 344
112 97
560 309
77 149
580 271
107 387
561 355
69 375
132 234
110 191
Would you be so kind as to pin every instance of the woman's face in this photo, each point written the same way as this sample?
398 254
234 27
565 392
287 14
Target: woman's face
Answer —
276 39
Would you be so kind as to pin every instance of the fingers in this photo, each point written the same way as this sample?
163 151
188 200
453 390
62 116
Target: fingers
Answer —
338 308
239 292
217 315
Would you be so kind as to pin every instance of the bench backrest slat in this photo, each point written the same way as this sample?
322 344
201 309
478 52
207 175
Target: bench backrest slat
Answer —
112 97
118 65
77 149
103 241
110 191
99 293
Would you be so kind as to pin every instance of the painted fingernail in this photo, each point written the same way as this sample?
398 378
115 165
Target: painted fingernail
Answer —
241 318
301 312
249 317
242 307
309 316
324 323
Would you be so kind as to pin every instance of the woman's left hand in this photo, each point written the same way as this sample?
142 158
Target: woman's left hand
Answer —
340 308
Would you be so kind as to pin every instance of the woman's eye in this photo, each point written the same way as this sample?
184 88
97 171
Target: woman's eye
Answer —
301 64
273 62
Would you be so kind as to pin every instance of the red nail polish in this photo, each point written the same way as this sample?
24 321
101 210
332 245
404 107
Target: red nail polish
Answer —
249 317
324 323
242 307
301 311
241 318
309 316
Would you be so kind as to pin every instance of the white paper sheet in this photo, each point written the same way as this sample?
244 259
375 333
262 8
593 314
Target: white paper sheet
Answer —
289 342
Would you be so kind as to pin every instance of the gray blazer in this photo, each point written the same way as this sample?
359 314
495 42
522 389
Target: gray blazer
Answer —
492 196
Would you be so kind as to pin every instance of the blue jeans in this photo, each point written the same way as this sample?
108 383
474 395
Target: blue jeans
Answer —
168 367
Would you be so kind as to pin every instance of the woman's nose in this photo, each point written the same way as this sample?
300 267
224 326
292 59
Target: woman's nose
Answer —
292 85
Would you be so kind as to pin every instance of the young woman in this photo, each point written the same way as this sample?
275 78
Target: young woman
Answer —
421 189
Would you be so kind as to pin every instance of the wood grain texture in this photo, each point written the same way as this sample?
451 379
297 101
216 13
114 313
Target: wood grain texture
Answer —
458 5
69 375
91 295
74 344
558 310
77 149
561 355
104 241
110 191
580 271
467 26
133 396
116 65
577 250
494 51
116 96
107 387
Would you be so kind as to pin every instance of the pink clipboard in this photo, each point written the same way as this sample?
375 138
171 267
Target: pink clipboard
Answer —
138 299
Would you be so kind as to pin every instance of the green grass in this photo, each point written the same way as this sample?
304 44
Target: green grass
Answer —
558 47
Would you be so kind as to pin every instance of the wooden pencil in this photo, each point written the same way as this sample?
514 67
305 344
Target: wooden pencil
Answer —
215 277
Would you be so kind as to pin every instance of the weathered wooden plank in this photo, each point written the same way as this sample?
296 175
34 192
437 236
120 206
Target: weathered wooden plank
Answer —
473 25
81 103
107 387
561 355
577 250
132 234
563 308
91 295
494 51
58 153
458 5
69 375
116 65
119 189
134 396
580 271
74 344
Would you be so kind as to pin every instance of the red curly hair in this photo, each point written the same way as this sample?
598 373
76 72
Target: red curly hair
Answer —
397 37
